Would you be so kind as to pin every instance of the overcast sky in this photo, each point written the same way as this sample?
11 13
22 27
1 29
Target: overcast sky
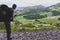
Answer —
25 3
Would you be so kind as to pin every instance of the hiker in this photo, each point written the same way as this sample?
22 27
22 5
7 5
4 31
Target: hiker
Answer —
7 16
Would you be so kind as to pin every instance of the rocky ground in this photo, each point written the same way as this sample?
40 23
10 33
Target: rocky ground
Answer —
33 35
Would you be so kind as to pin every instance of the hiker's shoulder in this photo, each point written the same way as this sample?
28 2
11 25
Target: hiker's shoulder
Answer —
10 9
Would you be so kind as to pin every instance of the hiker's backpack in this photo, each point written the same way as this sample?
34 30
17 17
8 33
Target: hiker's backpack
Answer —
6 13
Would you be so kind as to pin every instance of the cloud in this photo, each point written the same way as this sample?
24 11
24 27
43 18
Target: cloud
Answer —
29 2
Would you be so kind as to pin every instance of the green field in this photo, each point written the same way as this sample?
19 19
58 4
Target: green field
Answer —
22 24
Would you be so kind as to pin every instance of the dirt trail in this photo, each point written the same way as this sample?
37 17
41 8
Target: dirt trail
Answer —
34 35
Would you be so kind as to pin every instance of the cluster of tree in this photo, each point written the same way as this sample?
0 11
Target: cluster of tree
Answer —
54 13
37 16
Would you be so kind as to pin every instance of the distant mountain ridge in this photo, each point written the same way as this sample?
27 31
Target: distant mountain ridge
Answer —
41 7
20 8
35 9
32 7
38 8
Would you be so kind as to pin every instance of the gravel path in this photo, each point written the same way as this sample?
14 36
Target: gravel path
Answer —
34 35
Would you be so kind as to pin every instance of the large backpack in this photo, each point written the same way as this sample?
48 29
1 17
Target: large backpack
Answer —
6 13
